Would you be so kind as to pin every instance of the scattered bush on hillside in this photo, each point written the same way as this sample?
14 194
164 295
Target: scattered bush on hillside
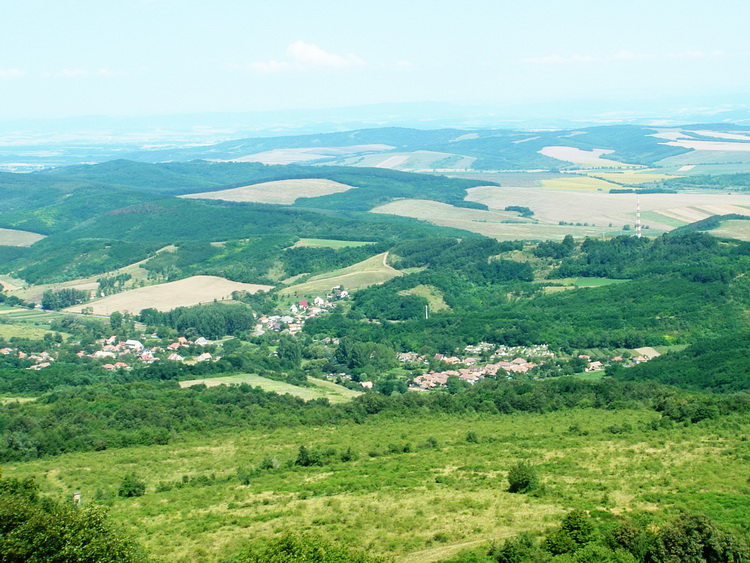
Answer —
522 478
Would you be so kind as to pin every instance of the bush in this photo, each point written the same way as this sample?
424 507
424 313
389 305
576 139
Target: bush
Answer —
522 478
306 548
131 486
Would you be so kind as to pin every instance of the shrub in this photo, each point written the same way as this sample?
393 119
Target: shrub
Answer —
131 486
522 478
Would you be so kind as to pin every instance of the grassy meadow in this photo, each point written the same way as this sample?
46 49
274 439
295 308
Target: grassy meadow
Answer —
374 270
418 491
319 389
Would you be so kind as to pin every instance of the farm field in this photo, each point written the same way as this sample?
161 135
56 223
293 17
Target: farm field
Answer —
13 237
502 225
604 208
329 243
372 271
284 192
28 317
632 177
409 161
34 293
320 389
420 506
167 296
592 158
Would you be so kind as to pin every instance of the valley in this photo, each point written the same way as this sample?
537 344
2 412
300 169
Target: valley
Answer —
362 338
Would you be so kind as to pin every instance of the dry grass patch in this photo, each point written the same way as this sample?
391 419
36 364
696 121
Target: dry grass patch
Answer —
433 295
284 192
13 237
167 296
734 228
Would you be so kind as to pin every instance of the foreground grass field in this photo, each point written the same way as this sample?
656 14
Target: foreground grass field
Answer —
419 490
319 389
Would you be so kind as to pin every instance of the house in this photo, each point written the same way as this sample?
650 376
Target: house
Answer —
5 351
304 304
134 345
205 357
174 346
121 365
175 357
593 366
319 301
200 341
366 384
183 341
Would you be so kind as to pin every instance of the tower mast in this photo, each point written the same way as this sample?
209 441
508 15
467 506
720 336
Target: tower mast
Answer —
638 226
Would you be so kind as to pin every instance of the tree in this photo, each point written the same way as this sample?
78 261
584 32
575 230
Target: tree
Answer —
38 528
522 478
131 486
115 320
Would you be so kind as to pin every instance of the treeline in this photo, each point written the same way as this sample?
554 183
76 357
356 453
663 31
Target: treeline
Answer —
211 321
66 297
715 364
444 252
735 182
144 413
599 536
695 256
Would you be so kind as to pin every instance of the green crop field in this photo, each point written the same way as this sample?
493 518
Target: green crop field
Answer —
417 491
319 389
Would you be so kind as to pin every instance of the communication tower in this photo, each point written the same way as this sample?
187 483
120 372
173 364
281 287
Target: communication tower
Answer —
638 226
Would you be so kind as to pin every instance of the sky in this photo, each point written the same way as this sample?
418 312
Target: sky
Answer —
158 57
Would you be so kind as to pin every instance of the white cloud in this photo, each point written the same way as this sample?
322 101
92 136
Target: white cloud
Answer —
306 56
8 74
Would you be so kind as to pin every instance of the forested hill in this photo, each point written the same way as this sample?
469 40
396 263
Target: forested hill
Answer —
493 149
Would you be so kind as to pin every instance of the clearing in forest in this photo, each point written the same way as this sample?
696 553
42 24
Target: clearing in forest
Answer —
374 270
282 192
167 296
329 243
319 389
14 237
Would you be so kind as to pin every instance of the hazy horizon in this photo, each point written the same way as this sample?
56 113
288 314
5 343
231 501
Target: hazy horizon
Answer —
171 57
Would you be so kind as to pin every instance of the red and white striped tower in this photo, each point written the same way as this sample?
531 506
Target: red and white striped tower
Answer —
638 226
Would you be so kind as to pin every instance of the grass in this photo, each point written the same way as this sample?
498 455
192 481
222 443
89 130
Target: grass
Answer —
595 282
433 295
11 400
329 243
320 389
372 271
416 506
733 228
8 331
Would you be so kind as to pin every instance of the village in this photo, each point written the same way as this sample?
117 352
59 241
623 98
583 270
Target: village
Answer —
476 363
